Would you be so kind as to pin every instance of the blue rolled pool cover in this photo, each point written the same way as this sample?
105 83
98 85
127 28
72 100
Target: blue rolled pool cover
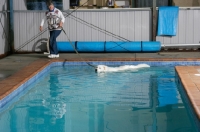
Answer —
151 46
90 46
134 46
110 47
66 46
168 20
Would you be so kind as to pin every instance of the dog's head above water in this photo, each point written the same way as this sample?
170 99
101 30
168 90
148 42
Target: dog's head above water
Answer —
100 68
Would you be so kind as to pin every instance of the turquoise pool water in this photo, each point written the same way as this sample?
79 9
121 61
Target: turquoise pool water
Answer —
76 99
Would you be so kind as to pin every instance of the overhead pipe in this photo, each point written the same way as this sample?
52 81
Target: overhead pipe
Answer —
178 45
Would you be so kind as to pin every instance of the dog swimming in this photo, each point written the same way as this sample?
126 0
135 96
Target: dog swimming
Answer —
104 68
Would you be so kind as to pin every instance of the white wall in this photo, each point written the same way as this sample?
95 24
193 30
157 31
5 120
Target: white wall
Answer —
131 24
3 28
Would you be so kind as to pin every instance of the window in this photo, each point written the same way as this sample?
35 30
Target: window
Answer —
96 4
41 4
74 2
149 3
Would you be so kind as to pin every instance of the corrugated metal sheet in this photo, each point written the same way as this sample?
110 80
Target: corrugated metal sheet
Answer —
3 33
26 27
19 4
3 4
65 4
90 25
3 28
129 25
126 24
188 29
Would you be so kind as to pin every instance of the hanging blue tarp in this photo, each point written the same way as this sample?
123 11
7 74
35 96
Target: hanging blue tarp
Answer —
167 20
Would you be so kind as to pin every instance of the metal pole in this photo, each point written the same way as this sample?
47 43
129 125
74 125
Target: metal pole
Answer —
11 26
154 23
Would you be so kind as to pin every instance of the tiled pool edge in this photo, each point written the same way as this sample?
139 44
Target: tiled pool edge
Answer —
191 85
45 64
191 111
28 76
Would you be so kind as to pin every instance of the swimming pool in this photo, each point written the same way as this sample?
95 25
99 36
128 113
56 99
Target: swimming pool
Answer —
79 99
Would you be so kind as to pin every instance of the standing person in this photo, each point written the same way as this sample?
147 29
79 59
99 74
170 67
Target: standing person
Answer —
55 20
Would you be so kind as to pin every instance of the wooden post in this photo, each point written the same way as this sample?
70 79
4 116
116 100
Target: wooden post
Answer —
154 21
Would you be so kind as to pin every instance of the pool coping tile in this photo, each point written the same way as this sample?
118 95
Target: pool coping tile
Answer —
25 74
190 84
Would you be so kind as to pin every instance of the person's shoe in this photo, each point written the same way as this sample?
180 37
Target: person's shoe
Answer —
56 56
51 56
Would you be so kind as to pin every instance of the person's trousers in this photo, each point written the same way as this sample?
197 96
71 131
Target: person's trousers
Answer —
52 41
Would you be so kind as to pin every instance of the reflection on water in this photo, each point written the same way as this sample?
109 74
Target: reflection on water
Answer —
77 99
41 4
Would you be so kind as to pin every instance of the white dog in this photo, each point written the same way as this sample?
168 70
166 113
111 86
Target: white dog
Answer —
103 68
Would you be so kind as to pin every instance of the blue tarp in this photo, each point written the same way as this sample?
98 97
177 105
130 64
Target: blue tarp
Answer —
168 20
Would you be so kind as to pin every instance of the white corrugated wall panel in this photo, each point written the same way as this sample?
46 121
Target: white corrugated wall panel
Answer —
131 25
30 28
23 30
145 26
196 26
124 25
109 25
16 30
80 28
65 4
181 26
4 48
167 40
94 22
189 26
3 4
138 22
159 38
115 25
72 28
67 30
102 25
88 28
26 27
36 44
19 5
2 37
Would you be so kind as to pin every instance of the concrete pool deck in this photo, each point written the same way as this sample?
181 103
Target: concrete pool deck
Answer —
18 68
